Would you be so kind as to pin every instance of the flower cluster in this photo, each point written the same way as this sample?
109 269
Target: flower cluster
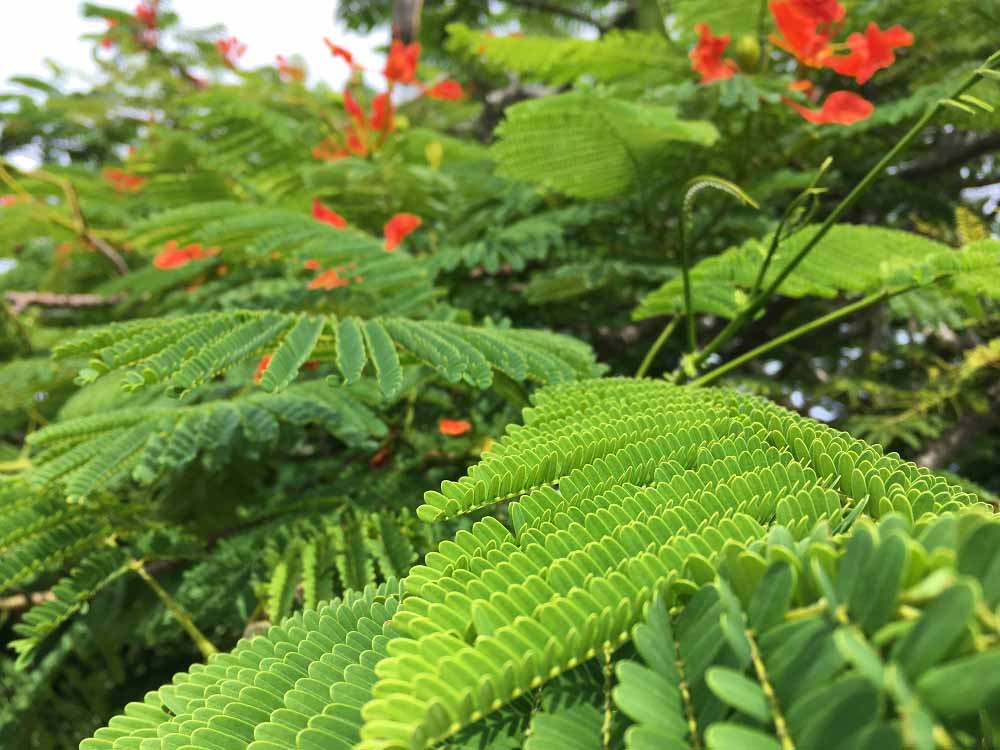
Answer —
231 49
122 181
173 256
806 30
289 71
366 132
395 231
143 27
145 14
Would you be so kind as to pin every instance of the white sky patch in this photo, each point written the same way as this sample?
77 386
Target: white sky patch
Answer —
30 32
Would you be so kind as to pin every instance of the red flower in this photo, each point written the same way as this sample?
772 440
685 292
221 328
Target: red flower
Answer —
312 264
401 64
170 259
453 427
146 14
803 85
840 108
382 113
870 51
8 200
328 216
261 366
328 280
706 57
398 227
820 11
799 33
231 49
338 51
175 257
289 72
123 182
353 108
446 90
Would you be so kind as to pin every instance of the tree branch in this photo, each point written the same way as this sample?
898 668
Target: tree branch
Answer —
559 10
945 158
939 453
21 300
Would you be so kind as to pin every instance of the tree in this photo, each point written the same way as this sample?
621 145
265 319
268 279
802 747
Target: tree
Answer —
585 293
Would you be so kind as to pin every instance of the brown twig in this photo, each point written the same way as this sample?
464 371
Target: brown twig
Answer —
541 6
82 229
21 300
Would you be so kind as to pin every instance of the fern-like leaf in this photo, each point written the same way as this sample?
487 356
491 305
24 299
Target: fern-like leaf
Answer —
587 145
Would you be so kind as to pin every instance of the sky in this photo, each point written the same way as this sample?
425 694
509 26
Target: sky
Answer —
52 28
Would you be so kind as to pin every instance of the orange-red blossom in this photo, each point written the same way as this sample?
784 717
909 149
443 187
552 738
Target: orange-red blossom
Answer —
840 108
398 227
122 181
231 49
173 256
453 427
806 30
706 57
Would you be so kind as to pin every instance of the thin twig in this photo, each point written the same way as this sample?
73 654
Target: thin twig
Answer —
180 614
802 330
559 10
19 301
81 227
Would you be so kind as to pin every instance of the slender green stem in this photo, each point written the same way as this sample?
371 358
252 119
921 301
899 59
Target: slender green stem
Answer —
811 191
657 345
802 330
760 301
686 277
609 710
777 715
204 645
691 190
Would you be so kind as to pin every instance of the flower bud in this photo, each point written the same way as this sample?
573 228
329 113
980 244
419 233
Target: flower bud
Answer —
746 52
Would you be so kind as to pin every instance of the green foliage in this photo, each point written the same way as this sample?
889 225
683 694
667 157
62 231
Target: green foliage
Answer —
856 259
39 531
562 60
185 353
270 672
496 614
69 596
100 452
807 643
588 145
